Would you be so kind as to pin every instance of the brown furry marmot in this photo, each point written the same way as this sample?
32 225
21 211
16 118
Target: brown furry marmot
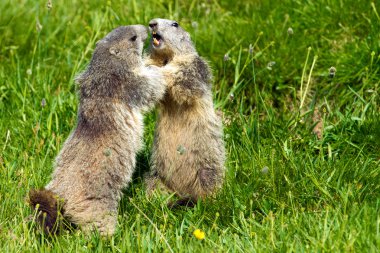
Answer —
98 158
188 152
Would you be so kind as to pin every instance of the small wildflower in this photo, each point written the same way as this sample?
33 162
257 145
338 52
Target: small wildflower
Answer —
28 72
231 97
49 5
265 170
199 234
250 49
38 25
43 102
109 3
290 31
332 72
270 65
181 149
226 57
194 24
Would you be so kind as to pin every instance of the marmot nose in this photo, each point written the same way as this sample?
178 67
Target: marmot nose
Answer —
153 24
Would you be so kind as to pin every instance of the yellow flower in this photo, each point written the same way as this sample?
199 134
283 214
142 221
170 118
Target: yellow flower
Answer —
199 234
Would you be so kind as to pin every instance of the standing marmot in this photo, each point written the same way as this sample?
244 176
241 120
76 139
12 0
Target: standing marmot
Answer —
188 152
98 158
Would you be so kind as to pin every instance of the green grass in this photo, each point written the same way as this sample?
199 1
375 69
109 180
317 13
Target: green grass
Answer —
286 189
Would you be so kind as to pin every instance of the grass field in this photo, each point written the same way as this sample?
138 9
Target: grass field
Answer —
302 138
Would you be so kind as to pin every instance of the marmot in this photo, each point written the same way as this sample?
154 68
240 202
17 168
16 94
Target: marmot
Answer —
98 158
188 152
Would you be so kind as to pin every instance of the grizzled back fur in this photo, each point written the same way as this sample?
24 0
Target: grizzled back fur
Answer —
110 77
112 64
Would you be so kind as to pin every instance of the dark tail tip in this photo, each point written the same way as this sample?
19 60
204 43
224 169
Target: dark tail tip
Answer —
49 210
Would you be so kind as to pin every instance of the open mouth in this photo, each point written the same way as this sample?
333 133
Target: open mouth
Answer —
157 39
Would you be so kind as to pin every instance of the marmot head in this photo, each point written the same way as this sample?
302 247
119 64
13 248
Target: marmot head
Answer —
169 38
124 43
119 51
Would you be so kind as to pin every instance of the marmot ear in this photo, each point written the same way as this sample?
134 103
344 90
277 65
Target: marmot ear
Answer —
115 51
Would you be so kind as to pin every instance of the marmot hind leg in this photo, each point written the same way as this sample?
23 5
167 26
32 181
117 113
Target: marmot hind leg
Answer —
209 180
182 202
105 224
205 183
96 215
153 184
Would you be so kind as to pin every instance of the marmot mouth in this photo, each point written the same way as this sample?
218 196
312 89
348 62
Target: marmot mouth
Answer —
156 39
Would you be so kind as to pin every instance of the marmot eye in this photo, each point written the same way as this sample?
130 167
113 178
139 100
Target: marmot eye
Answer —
175 24
133 38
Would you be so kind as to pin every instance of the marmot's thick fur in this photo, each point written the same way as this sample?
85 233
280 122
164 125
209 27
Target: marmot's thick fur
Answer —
98 158
188 153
